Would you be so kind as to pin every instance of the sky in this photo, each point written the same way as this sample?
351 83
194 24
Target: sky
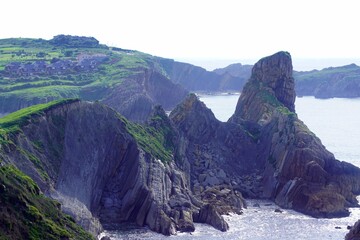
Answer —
209 33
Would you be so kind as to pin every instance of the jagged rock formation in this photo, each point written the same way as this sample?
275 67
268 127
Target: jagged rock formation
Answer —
271 80
220 154
216 155
85 156
264 151
299 172
354 233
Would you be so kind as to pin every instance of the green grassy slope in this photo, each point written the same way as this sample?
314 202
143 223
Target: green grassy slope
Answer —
156 137
92 83
25 213
13 121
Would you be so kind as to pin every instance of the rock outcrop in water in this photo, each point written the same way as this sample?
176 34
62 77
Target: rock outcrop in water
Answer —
265 151
299 172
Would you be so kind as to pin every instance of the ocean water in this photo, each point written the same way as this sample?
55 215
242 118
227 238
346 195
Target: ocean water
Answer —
336 122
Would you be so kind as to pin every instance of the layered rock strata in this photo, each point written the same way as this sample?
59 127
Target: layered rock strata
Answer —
85 156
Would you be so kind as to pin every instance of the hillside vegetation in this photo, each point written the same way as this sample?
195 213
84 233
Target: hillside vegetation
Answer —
25 213
34 71
37 71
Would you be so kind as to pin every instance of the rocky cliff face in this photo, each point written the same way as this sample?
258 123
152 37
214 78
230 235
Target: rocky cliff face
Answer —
299 172
264 151
85 156
219 156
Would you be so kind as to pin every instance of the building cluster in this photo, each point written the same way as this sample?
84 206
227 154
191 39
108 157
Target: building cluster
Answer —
83 63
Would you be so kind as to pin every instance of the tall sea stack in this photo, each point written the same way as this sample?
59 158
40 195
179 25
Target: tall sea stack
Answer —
299 172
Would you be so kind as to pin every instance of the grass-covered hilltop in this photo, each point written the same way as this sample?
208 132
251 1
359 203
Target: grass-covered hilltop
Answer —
36 71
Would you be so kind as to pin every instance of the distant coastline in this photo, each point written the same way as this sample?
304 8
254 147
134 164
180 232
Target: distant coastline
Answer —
299 64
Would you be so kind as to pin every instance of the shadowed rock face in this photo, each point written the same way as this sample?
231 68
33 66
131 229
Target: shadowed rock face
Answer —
87 159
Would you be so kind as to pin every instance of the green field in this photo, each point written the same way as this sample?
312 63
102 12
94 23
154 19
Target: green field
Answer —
90 84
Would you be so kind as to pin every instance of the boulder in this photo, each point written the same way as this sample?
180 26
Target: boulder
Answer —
208 214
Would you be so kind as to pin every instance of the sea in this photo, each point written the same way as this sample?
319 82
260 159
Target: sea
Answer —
336 122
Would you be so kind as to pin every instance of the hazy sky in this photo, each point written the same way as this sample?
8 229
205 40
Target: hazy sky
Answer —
201 30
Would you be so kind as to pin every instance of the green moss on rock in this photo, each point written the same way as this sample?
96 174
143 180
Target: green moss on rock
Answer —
151 139
25 213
